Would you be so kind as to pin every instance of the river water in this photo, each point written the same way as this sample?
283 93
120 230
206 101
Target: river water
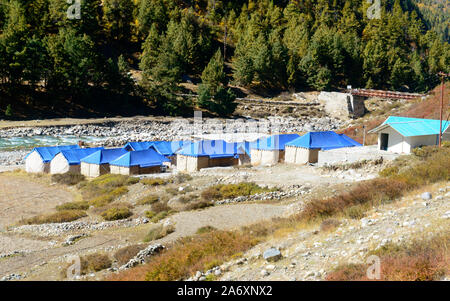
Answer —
34 141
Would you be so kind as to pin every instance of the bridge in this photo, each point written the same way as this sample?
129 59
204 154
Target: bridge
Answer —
384 94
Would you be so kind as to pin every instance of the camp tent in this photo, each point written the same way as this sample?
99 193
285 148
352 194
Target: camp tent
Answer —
97 164
305 149
402 134
209 153
138 162
38 160
138 146
270 150
169 149
69 160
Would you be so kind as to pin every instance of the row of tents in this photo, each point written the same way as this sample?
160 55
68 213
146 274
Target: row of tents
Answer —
155 156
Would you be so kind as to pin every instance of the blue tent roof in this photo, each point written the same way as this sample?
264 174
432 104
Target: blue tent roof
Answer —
138 146
212 149
407 126
74 156
168 148
323 140
49 152
274 142
104 156
143 158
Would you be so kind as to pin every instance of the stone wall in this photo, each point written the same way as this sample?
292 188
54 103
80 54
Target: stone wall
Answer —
342 105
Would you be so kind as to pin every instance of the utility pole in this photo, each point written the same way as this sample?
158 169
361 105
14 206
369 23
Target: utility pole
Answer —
441 107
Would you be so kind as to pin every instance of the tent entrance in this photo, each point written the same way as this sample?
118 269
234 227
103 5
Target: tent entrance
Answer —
384 138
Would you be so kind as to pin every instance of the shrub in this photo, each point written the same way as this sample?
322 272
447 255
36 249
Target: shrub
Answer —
148 200
103 185
190 254
154 182
222 191
116 213
57 217
68 178
132 181
149 214
81 205
159 216
158 233
329 224
420 260
180 178
172 191
94 263
355 212
107 198
199 205
205 229
9 111
160 207
371 192
124 254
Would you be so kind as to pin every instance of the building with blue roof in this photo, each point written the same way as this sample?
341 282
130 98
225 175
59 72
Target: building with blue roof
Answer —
139 162
69 160
97 164
305 149
38 160
210 153
402 134
138 146
270 150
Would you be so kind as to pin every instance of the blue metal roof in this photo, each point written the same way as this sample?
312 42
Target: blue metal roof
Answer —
212 149
49 152
104 156
74 156
168 148
143 158
323 140
414 126
274 142
138 146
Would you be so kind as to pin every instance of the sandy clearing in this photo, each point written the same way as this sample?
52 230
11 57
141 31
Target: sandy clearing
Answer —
22 198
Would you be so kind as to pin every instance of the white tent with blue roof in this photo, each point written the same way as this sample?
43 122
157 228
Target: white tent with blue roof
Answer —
68 161
38 160
97 164
138 162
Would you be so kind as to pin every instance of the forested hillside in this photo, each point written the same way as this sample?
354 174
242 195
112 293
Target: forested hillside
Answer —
436 14
49 61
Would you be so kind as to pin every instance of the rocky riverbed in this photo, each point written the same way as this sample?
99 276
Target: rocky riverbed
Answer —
116 134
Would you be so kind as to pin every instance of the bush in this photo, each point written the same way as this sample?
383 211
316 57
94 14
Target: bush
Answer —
94 263
148 200
222 191
371 192
124 254
108 197
180 178
190 254
158 233
68 178
116 213
329 224
103 185
205 229
82 205
9 111
199 205
159 216
154 182
355 212
160 207
420 260
58 217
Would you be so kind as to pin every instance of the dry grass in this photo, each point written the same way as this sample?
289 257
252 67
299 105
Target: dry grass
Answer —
95 262
124 254
116 212
373 192
158 233
198 205
420 260
329 225
57 217
80 205
68 178
228 191
148 200
189 255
